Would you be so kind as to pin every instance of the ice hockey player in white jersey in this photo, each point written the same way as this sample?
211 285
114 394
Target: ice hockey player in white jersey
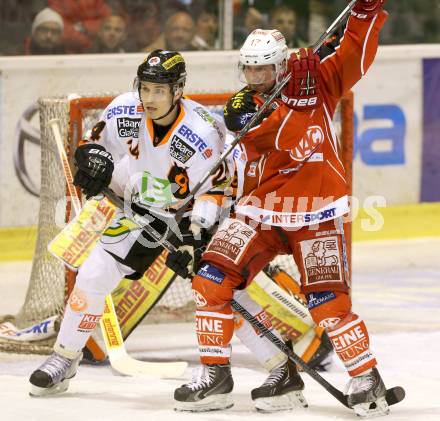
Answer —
151 146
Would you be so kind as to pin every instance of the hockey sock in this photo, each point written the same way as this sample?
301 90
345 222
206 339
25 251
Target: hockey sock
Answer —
82 314
214 318
214 332
351 343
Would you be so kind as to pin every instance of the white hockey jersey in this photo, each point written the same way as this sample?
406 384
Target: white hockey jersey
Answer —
162 172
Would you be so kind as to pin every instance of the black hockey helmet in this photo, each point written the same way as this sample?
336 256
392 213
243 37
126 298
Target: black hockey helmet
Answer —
162 66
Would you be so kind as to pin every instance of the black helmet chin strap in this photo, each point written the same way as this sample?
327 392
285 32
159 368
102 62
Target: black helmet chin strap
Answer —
173 105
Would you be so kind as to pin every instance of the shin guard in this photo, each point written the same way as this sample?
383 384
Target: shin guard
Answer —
351 343
214 319
346 330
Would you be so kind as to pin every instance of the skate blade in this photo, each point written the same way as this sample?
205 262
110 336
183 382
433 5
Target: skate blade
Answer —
210 403
372 409
286 402
38 392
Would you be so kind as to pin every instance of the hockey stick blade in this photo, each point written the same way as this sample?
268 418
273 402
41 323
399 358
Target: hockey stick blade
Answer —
128 366
121 361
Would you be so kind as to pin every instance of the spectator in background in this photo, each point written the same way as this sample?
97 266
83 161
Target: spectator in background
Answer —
82 19
46 35
177 36
206 31
252 19
284 19
16 17
143 22
111 36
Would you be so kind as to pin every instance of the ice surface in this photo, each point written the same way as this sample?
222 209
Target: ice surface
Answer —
396 290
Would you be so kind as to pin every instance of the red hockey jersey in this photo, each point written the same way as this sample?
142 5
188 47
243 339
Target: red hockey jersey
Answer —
293 174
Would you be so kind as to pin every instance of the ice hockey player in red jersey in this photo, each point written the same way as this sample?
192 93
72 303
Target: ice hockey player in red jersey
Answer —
294 195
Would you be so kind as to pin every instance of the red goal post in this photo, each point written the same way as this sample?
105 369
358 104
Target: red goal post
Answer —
50 283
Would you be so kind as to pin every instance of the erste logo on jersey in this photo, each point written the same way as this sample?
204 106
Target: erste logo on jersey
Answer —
128 127
123 109
308 144
180 150
192 137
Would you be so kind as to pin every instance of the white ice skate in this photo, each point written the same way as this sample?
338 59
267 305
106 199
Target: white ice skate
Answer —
54 375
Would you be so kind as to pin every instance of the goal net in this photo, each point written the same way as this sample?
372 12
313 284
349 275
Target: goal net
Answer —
48 285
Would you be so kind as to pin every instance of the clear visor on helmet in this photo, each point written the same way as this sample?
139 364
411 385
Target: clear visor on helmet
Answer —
257 75
153 93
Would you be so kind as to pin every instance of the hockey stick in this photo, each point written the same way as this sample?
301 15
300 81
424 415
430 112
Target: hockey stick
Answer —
393 395
251 123
118 356
144 223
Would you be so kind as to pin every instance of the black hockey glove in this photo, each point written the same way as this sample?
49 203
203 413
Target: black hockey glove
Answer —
186 260
179 262
239 109
95 168
242 107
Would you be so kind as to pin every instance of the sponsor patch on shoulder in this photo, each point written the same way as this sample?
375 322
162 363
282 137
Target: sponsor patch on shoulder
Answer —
315 299
211 273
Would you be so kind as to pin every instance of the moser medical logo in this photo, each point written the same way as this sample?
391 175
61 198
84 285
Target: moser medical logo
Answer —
128 127
180 150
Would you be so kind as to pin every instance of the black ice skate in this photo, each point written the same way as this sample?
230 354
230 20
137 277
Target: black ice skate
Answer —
53 375
281 391
209 390
367 394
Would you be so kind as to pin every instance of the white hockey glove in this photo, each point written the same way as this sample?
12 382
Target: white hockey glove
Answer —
204 214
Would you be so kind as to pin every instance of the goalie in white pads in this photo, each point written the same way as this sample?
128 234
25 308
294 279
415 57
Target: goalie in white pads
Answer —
151 146
295 194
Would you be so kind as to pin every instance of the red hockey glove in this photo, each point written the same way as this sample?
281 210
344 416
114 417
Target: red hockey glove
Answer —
302 92
367 9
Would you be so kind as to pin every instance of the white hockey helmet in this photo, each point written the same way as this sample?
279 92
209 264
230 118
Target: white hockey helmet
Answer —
264 46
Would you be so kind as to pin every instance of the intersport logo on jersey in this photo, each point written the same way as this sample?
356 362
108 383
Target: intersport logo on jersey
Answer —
308 144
